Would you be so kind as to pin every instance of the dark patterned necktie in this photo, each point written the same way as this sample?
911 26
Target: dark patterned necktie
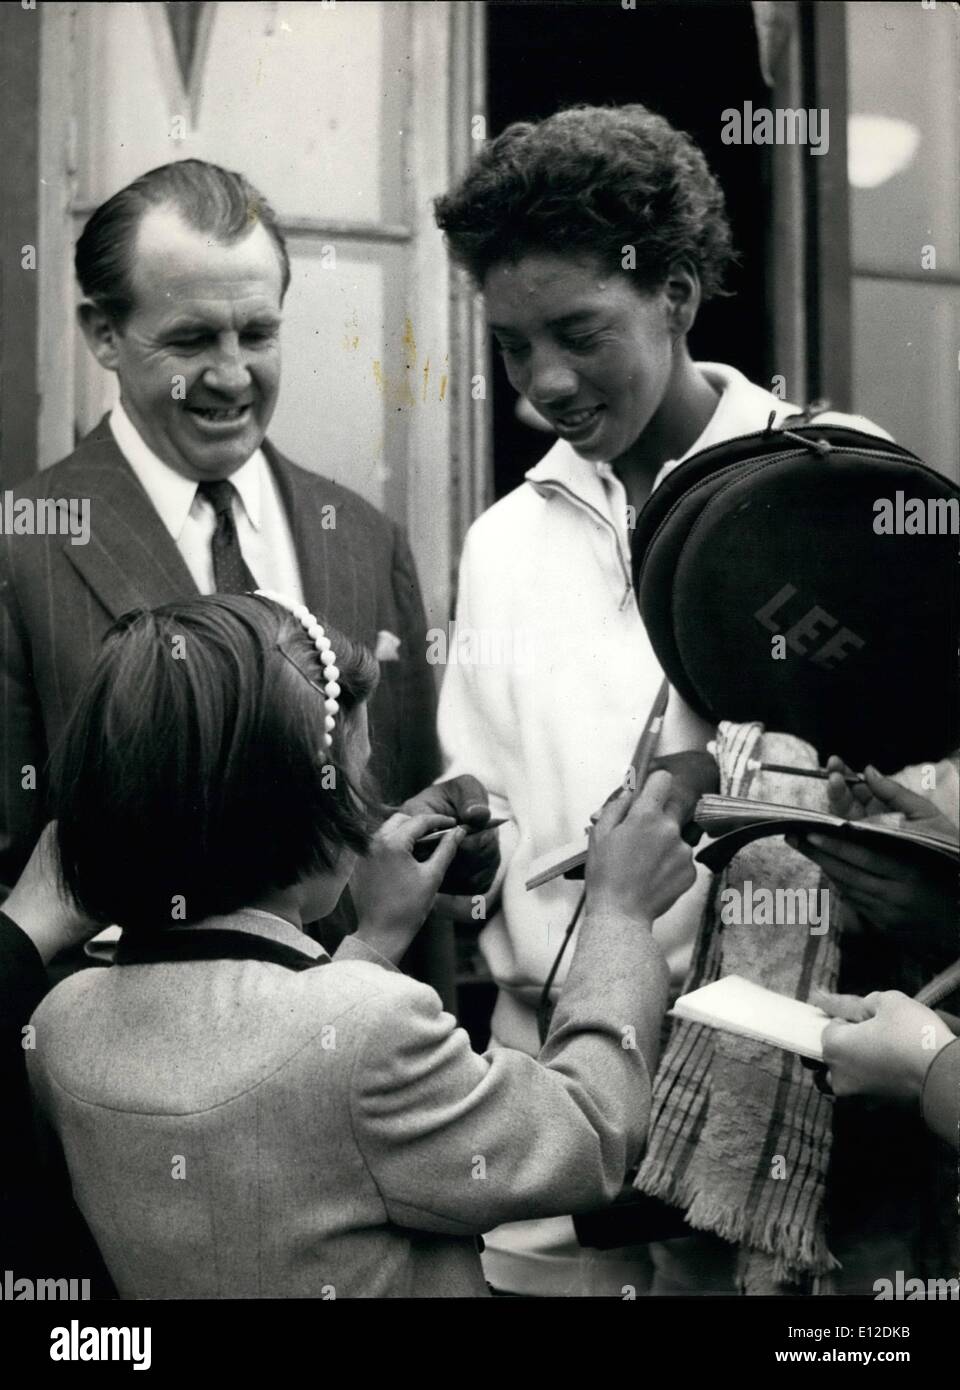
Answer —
230 573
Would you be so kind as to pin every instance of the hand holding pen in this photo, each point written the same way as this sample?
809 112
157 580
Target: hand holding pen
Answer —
463 802
694 771
643 753
836 772
424 847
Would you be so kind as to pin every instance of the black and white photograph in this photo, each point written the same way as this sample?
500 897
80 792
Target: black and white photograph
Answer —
479 719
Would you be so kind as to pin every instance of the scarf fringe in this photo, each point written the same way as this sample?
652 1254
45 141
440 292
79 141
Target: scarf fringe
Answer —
696 1089
800 1251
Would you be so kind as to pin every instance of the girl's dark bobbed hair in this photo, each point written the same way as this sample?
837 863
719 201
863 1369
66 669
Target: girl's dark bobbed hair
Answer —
192 778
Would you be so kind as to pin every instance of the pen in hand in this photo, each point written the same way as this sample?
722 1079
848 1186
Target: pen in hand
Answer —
423 847
755 765
646 745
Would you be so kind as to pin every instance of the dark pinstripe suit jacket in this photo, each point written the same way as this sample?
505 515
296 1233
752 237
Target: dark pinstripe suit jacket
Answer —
59 599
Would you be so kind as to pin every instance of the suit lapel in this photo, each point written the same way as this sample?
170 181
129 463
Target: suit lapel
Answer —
131 559
334 565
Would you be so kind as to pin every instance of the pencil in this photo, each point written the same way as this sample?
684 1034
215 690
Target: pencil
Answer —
820 772
478 830
646 745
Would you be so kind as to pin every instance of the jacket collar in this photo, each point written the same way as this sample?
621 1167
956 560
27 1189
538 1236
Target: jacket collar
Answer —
256 923
741 409
132 561
563 470
326 580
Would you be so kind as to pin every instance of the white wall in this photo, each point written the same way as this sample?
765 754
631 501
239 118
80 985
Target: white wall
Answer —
904 152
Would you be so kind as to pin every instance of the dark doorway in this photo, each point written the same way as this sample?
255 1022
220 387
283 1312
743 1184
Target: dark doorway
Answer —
687 61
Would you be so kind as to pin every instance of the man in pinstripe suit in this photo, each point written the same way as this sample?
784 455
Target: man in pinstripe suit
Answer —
184 273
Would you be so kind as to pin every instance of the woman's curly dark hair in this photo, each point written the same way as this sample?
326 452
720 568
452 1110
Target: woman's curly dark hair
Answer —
592 180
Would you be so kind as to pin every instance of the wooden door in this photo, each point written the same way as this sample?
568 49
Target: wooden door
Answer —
350 118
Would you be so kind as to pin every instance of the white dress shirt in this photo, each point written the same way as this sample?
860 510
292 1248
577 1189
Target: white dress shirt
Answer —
263 531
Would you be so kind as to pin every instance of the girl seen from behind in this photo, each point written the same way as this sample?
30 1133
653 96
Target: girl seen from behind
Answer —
243 1116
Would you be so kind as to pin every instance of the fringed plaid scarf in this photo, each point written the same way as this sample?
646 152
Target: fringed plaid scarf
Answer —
740 1136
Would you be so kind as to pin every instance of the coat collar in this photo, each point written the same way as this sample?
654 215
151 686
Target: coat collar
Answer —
256 923
741 409
562 469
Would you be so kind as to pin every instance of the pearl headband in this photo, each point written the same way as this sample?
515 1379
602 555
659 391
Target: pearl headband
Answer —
331 675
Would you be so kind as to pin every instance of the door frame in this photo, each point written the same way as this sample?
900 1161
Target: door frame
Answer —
808 262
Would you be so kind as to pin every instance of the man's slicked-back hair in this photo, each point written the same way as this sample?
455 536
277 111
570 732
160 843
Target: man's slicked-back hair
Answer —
219 202
192 778
592 181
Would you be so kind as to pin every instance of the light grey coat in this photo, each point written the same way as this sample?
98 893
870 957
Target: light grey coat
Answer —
237 1129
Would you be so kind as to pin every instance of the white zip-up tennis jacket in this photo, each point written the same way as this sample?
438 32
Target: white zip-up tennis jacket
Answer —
550 677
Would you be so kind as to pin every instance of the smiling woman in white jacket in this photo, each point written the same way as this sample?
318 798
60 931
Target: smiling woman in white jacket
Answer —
593 236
